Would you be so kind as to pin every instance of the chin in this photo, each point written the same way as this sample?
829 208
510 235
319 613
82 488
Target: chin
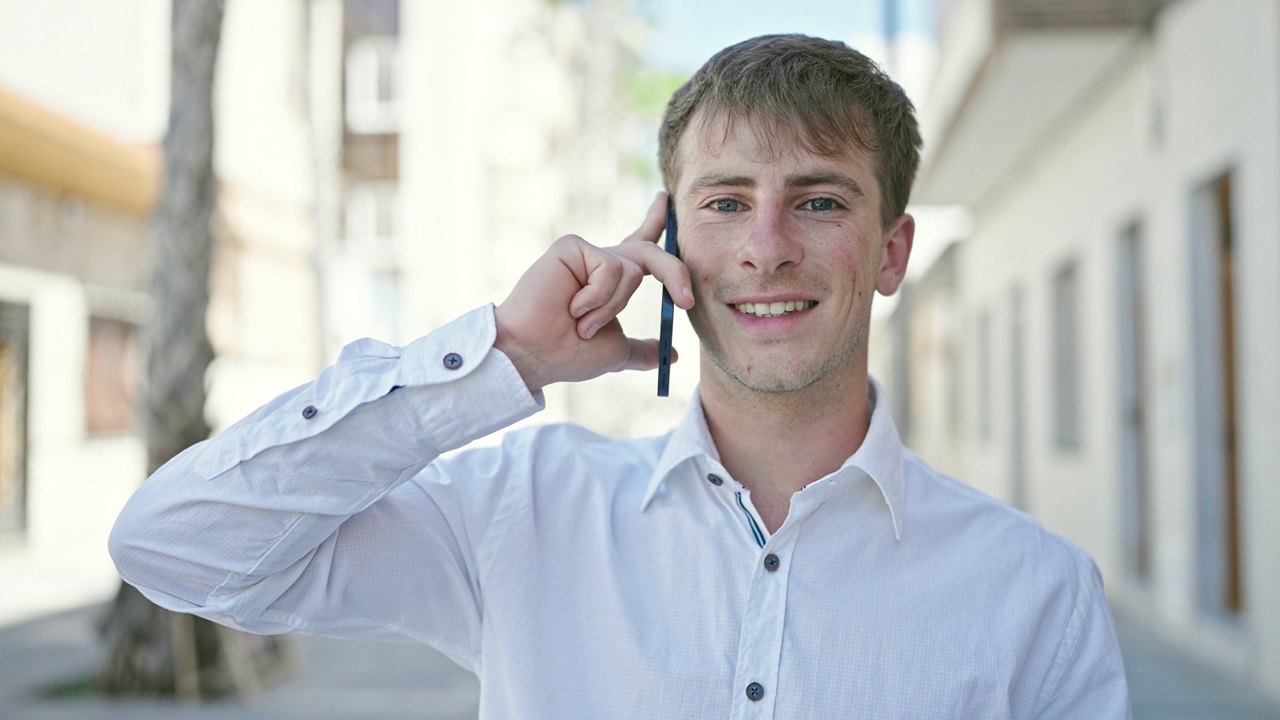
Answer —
773 383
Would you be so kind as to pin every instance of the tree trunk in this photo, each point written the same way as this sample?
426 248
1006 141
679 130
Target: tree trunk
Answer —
151 651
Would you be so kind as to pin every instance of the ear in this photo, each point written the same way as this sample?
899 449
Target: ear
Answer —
896 251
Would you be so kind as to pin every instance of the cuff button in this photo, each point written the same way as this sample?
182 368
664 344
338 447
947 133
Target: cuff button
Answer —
453 361
309 412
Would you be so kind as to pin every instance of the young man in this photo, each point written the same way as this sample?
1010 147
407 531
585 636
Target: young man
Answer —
779 554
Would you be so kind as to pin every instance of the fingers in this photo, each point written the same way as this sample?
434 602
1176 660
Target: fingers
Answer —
642 248
655 221
667 268
610 285
610 276
644 355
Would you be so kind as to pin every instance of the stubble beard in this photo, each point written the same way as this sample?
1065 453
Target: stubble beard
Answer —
777 383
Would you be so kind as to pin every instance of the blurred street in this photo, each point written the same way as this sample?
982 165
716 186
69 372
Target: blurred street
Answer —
337 679
341 679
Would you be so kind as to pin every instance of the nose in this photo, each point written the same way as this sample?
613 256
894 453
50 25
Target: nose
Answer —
771 244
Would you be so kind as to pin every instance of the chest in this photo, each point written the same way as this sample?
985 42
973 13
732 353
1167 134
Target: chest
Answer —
646 615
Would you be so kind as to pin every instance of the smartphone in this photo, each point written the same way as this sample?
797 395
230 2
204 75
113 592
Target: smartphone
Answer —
668 311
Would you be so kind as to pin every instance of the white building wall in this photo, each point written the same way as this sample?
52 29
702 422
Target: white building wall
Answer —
1201 97
106 66
75 483
1221 66
262 317
500 155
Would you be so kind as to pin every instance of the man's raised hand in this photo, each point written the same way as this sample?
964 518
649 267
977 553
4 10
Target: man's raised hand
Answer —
560 321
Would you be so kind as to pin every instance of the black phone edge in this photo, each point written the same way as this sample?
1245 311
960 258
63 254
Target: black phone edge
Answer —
668 313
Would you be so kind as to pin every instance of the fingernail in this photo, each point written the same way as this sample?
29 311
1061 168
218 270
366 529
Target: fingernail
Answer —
579 313
591 331
688 292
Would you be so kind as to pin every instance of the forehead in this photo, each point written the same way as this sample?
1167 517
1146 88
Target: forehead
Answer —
724 142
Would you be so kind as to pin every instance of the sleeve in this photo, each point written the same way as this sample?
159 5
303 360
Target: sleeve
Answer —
302 516
1088 678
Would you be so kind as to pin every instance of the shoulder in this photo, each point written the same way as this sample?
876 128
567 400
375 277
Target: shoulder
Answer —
569 443
986 534
555 452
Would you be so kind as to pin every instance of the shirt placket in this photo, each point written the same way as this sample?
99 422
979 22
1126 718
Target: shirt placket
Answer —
760 645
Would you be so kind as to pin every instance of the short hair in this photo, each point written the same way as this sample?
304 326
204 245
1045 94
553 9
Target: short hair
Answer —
817 94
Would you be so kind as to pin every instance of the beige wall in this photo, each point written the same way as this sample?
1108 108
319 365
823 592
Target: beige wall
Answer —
70 252
1199 96
103 64
75 482
503 149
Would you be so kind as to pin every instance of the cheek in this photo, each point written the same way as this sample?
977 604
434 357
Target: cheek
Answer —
700 267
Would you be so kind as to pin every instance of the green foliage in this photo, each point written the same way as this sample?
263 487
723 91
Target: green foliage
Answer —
650 89
647 92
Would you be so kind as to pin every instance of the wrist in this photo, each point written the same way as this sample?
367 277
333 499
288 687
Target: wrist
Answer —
532 367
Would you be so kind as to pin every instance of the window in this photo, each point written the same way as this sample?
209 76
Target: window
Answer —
1066 357
14 329
1131 320
373 85
984 375
110 377
372 221
1215 343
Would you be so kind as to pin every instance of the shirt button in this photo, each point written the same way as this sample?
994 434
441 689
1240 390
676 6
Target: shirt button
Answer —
714 479
453 361
309 412
755 691
771 562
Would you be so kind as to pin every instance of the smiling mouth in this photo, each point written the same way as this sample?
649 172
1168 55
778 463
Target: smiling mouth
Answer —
774 309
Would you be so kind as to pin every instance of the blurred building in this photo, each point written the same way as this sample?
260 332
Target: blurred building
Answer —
455 142
83 107
1102 351
383 167
74 205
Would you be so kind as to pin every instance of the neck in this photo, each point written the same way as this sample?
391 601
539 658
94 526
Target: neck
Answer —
776 443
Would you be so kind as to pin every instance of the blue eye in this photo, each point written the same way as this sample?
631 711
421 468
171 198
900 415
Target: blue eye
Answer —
726 205
822 204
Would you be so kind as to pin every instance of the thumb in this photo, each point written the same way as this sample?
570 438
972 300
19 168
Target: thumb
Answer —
643 354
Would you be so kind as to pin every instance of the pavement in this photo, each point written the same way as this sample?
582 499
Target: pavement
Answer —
337 680
342 679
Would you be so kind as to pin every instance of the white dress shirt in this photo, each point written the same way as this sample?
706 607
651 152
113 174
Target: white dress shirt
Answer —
581 576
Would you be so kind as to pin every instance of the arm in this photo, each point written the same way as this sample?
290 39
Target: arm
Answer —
293 519
321 511
1088 678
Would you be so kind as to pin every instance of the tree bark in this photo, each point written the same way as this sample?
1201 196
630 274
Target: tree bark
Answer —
151 651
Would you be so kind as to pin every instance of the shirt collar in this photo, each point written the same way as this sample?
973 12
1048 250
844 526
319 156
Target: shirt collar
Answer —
879 457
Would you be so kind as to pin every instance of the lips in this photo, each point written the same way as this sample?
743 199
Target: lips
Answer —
773 309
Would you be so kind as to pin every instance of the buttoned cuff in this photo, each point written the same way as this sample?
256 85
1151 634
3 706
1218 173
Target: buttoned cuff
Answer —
459 388
485 392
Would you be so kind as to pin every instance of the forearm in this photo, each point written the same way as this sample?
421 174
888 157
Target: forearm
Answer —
259 499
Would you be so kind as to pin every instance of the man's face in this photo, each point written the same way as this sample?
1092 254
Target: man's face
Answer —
785 252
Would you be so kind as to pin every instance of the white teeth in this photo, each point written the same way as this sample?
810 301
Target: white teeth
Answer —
774 309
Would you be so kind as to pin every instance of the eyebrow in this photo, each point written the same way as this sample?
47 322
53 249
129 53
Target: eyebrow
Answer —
714 181
839 180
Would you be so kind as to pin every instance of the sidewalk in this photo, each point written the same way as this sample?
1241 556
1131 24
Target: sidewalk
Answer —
1166 684
339 680
368 681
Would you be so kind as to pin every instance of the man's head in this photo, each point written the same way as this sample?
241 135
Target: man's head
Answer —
798 91
789 161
